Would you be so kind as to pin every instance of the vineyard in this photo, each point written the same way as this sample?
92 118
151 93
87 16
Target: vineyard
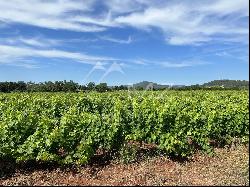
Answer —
69 128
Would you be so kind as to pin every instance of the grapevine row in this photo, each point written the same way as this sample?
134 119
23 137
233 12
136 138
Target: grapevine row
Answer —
69 127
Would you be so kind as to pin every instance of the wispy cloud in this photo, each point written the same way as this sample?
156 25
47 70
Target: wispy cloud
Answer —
19 50
9 54
235 54
189 22
103 20
183 23
48 14
31 41
116 40
125 6
140 62
101 38
183 64
22 49
188 62
25 63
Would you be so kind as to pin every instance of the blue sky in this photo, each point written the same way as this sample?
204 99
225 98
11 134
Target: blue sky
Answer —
124 41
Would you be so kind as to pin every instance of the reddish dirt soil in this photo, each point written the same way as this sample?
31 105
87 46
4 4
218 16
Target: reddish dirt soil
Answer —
229 166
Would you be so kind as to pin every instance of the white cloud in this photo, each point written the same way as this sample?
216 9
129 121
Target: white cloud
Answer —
140 62
183 64
104 20
184 40
234 53
124 6
26 63
101 38
185 23
10 54
31 41
19 50
189 62
48 14
223 54
189 22
115 40
224 7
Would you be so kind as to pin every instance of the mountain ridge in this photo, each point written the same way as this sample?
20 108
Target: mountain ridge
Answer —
226 83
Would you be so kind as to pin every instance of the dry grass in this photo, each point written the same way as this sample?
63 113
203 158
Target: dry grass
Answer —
229 166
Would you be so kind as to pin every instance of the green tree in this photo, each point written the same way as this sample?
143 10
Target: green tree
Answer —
91 86
102 87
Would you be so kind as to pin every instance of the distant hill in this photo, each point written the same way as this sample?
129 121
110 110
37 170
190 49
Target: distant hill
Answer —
215 83
147 84
227 83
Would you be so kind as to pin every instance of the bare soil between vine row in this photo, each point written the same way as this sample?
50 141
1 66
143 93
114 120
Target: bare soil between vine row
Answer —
229 166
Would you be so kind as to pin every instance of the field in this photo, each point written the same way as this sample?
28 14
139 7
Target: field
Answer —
73 128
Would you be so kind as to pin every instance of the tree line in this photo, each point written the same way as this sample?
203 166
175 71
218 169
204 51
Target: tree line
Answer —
71 86
57 86
202 87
